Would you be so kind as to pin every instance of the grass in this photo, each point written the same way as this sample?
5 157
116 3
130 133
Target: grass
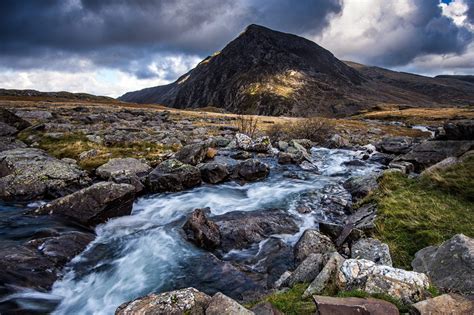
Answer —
416 213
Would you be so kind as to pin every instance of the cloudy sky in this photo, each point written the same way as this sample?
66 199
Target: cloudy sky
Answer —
109 47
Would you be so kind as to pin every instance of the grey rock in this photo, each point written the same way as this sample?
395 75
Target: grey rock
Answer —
213 172
193 154
449 265
13 120
307 270
222 304
7 130
125 171
39 115
372 249
395 145
312 242
326 279
242 155
173 175
10 143
459 130
265 308
453 304
360 187
252 170
327 305
201 231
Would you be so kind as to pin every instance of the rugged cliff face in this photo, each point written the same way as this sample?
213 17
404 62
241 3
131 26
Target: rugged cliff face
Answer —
272 73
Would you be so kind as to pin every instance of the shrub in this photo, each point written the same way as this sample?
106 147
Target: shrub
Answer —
316 129
247 125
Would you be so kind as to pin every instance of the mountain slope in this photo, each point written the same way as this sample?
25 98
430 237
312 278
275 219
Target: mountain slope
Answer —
273 73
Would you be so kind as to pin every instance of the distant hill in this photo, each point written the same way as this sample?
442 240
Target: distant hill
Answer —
67 96
273 73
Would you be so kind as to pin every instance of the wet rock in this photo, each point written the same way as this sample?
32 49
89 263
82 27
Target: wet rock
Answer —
201 231
428 153
360 187
334 231
183 301
193 154
372 249
173 175
265 308
239 229
459 130
307 270
403 166
252 170
449 265
125 171
365 275
327 305
13 120
382 158
213 172
337 141
290 158
28 173
312 242
282 145
10 143
92 205
363 218
395 145
454 304
222 304
7 130
308 166
246 143
242 155
220 141
325 281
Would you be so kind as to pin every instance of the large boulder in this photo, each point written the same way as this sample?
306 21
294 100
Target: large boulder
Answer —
239 229
178 302
360 187
252 170
246 143
125 171
193 154
327 305
459 130
28 173
312 242
449 265
10 143
92 205
325 281
201 231
454 304
7 130
394 145
428 153
365 275
372 249
307 270
13 120
221 304
213 173
173 175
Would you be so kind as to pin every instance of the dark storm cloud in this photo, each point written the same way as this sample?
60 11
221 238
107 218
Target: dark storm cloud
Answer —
470 12
118 33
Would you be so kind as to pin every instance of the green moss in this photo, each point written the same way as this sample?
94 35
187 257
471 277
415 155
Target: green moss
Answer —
415 213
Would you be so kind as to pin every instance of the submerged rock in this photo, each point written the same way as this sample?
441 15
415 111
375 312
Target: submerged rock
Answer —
312 242
173 175
201 231
28 173
213 173
252 170
449 265
327 305
373 250
183 301
93 205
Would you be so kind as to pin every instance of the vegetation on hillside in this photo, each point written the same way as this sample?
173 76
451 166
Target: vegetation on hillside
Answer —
316 129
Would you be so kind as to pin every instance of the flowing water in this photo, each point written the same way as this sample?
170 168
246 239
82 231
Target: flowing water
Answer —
146 252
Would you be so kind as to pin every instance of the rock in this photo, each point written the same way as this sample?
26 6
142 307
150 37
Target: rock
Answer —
459 130
395 145
363 218
93 205
265 308
40 115
246 143
7 130
173 175
252 170
242 155
222 304
282 145
360 187
290 158
221 142
193 154
325 281
28 173
307 270
37 263
449 265
428 153
282 280
337 141
372 249
88 154
312 242
308 166
211 153
13 120
10 143
404 166
125 171
201 231
365 275
213 172
444 304
183 301
239 229
442 165
327 305
381 158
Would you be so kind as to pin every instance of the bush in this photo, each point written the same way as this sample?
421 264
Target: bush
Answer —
316 129
247 125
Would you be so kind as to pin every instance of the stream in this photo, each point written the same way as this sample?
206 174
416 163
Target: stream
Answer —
146 251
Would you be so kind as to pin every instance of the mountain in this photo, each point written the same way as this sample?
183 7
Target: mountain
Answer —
57 96
268 72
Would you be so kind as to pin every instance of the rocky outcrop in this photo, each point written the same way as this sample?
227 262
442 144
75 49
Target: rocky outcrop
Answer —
213 173
325 281
312 242
449 265
201 231
173 175
459 130
179 302
373 250
193 154
327 305
125 171
252 170
11 143
28 173
13 120
360 187
307 270
92 205
454 304
222 304
395 145
365 275
246 143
